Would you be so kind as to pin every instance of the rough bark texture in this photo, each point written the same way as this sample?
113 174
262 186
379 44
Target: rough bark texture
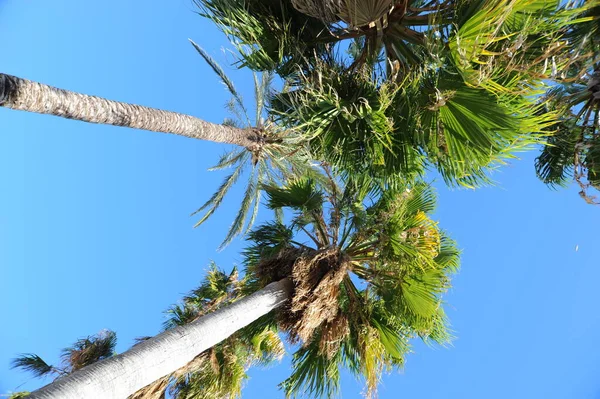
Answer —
25 95
124 374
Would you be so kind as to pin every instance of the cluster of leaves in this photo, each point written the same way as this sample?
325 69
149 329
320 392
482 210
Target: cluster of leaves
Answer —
367 280
369 270
281 158
392 130
270 35
454 85
573 152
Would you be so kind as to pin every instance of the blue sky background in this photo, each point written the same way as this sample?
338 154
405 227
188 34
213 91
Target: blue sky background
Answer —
95 229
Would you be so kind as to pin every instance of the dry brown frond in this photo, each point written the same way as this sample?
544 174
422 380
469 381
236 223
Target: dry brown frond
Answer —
317 288
156 390
214 362
278 267
333 333
317 276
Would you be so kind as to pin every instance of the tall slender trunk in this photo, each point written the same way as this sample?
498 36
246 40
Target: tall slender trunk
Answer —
124 374
25 95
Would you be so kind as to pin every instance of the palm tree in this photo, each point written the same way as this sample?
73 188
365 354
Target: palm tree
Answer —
368 270
281 159
270 152
355 275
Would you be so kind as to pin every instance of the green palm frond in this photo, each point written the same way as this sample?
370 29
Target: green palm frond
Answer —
314 374
251 195
555 164
220 373
215 200
224 78
571 152
506 45
269 35
179 315
468 131
32 363
230 159
298 194
267 345
350 121
82 353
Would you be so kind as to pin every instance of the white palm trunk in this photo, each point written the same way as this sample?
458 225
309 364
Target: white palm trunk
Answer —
25 95
124 374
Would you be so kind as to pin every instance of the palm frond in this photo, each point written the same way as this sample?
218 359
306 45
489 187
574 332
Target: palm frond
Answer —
223 77
215 200
299 194
32 363
313 374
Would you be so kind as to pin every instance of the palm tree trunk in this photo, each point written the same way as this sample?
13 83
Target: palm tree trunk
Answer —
124 374
25 95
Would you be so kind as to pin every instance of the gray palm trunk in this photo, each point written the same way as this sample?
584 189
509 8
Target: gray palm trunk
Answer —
25 95
122 375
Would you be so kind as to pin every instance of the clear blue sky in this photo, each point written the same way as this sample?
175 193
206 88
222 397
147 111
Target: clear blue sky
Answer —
95 229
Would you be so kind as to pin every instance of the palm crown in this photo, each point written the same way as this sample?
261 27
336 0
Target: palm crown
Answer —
281 158
367 279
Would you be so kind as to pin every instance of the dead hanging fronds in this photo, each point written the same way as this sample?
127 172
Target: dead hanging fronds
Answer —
280 266
333 333
158 388
315 301
317 276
